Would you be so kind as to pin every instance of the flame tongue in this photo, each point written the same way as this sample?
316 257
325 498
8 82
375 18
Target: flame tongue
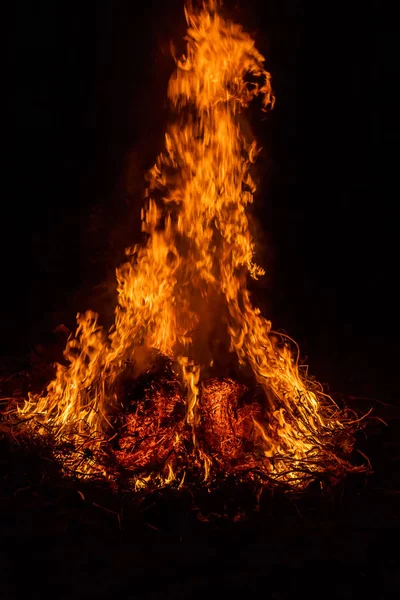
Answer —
200 246
190 277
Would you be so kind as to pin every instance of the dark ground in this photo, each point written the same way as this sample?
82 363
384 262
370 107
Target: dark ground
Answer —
86 117
69 540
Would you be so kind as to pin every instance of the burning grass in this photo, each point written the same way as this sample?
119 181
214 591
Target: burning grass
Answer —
151 446
140 403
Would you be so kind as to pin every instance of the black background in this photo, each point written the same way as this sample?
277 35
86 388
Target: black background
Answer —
86 116
87 109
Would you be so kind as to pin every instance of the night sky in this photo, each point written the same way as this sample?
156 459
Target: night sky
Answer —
86 115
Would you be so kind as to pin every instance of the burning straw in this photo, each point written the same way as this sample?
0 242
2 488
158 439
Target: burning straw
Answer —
145 402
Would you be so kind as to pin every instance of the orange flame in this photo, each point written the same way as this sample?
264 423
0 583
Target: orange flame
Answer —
190 277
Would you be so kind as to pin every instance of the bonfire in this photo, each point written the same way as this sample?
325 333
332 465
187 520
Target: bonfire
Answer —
191 384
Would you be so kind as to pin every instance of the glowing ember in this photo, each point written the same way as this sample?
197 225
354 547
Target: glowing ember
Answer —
183 306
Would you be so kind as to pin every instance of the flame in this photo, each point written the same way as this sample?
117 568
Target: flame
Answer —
187 280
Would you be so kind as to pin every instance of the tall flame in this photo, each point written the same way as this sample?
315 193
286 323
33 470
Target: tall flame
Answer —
190 277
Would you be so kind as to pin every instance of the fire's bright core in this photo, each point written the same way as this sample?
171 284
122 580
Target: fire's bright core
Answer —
190 380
